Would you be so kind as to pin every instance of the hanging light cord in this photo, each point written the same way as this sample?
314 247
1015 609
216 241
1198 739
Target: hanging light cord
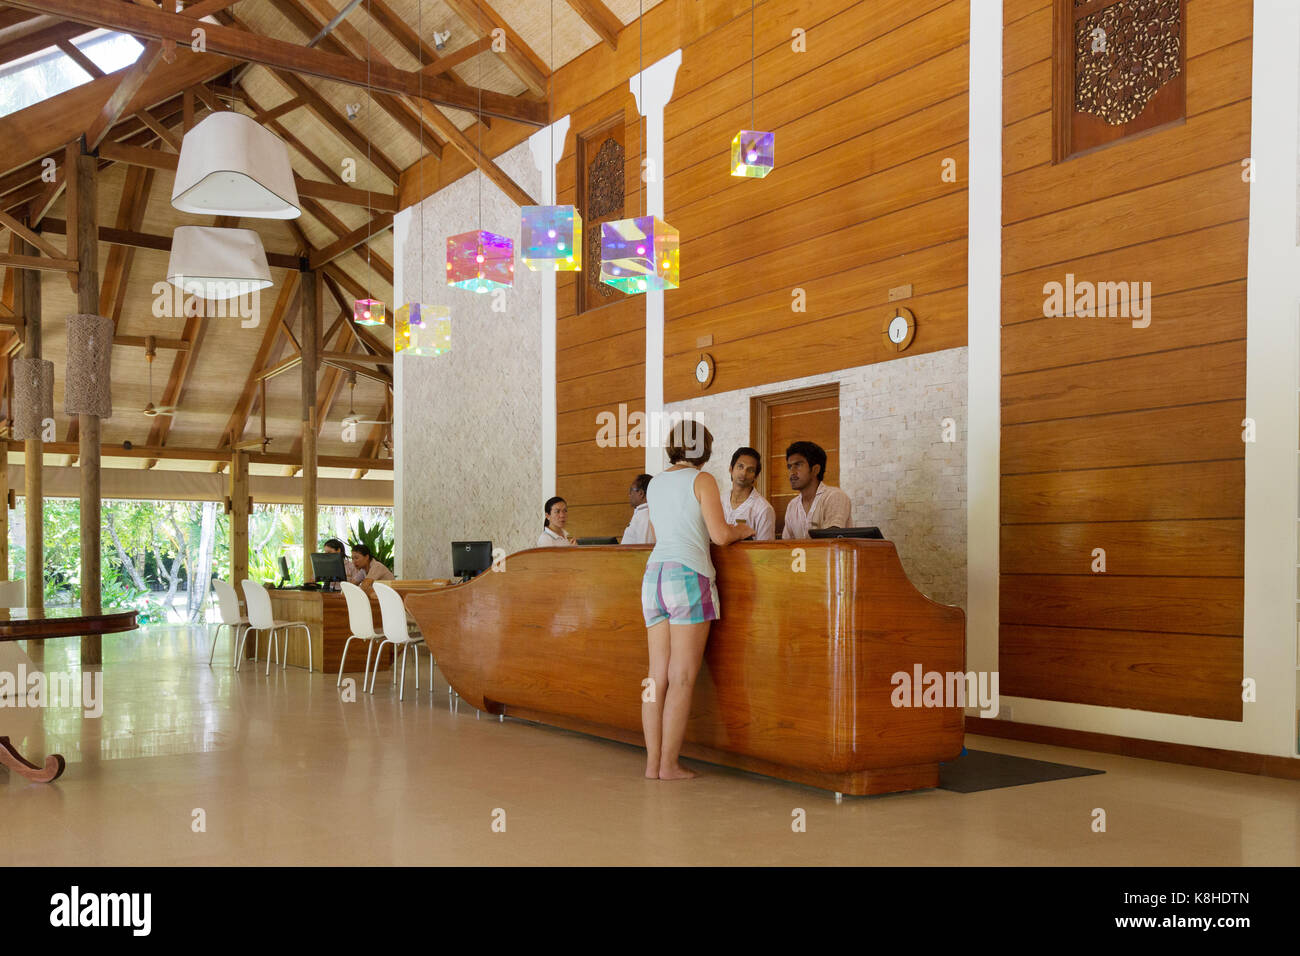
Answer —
640 79
419 60
751 64
371 129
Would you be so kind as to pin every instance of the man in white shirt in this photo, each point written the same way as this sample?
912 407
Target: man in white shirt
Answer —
638 530
745 503
817 504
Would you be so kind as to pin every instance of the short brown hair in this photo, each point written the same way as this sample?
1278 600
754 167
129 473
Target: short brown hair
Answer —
690 442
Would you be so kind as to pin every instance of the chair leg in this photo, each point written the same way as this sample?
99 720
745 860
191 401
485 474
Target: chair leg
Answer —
272 640
370 647
416 649
215 634
235 632
375 675
343 660
401 688
239 655
307 635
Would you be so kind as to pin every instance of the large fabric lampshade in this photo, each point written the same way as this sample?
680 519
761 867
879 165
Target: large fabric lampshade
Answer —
230 165
215 263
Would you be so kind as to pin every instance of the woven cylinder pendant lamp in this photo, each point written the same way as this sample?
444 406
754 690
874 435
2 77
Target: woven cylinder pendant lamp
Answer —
230 165
214 263
33 396
87 385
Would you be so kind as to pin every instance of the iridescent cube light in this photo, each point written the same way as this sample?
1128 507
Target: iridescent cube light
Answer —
753 153
422 329
480 261
551 238
369 312
639 255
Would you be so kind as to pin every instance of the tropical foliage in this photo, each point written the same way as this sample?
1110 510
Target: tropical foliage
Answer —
159 556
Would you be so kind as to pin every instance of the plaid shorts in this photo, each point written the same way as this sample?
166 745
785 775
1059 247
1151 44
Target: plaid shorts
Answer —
673 592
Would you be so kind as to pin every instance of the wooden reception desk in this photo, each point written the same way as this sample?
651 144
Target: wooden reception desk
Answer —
326 616
796 680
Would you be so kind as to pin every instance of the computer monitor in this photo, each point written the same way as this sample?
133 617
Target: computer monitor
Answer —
591 541
328 566
847 533
470 558
284 569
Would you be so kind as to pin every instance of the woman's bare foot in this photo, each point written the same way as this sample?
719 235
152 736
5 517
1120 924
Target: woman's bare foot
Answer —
652 770
675 772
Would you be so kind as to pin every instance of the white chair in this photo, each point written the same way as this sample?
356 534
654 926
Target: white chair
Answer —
261 618
396 632
13 593
228 606
361 620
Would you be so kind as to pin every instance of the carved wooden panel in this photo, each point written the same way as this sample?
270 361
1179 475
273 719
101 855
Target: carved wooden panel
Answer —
1120 70
602 187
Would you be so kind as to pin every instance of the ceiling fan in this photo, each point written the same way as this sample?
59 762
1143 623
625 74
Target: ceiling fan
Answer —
352 418
150 352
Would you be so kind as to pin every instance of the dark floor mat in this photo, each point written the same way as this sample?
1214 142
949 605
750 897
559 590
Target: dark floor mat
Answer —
978 770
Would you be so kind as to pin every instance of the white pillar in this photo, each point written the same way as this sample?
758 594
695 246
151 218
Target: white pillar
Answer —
984 336
547 145
401 228
1272 308
653 88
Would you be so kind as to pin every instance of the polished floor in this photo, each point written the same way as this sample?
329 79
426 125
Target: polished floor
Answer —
280 770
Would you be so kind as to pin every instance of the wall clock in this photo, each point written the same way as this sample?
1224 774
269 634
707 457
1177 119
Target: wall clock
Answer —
704 369
899 329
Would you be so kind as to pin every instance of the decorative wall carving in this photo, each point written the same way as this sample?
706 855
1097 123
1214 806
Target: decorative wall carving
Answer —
605 190
1123 55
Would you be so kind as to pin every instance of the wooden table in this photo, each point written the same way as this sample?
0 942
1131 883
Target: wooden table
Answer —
34 624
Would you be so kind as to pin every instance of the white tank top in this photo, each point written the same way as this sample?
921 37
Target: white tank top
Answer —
680 532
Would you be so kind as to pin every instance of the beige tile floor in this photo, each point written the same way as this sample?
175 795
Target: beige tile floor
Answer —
287 773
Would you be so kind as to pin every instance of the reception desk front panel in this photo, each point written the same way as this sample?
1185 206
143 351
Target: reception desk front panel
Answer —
799 674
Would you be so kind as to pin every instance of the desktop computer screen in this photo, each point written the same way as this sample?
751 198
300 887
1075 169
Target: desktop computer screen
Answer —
470 558
328 566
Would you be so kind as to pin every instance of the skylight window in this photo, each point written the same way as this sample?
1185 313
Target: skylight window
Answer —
50 72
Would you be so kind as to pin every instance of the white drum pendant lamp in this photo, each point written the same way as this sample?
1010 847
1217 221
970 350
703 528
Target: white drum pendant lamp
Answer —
214 263
230 165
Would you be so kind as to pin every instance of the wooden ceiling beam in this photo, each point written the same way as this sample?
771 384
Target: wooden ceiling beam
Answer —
133 78
334 224
362 234
312 15
600 18
238 421
255 48
467 52
145 240
71 51
205 454
405 34
518 55
33 41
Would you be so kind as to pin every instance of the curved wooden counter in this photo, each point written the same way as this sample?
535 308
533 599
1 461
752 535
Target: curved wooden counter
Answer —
796 680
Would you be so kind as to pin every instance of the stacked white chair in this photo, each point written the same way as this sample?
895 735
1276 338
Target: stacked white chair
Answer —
396 632
261 618
228 606
361 621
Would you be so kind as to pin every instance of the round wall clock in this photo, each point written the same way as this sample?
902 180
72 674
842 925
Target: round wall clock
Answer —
899 329
704 369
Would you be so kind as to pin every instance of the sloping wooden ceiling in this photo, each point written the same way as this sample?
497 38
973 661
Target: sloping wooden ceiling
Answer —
212 378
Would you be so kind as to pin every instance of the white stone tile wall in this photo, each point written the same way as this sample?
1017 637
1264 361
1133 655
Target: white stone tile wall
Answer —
469 451
894 464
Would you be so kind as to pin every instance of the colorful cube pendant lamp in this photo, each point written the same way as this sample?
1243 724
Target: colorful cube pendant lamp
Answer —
369 312
753 153
639 255
480 261
551 238
422 329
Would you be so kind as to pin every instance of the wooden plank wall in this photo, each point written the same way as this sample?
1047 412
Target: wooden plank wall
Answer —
1122 438
858 204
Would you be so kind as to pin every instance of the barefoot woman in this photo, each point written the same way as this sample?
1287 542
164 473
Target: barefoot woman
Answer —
679 595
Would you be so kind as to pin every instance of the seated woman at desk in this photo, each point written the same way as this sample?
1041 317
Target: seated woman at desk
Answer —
553 533
369 569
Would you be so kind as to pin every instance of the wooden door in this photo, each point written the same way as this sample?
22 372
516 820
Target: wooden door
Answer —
775 421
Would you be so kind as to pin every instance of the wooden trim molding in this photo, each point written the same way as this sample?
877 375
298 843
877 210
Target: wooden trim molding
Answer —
1236 761
758 406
